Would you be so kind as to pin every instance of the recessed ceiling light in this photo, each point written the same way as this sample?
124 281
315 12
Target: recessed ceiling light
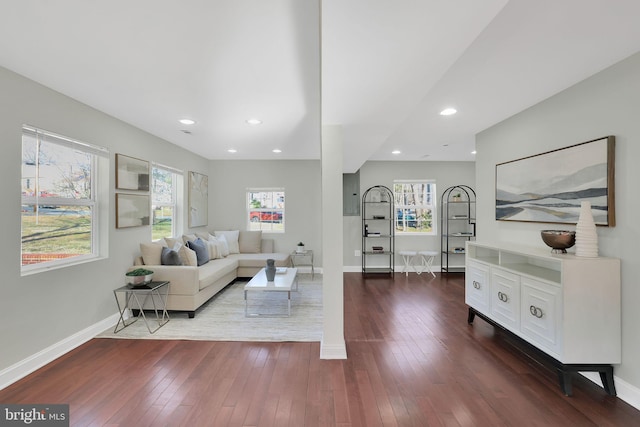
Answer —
473 152
254 122
448 111
232 150
396 152
187 121
277 150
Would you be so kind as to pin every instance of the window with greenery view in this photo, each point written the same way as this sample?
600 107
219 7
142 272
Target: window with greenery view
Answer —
265 209
165 185
415 207
60 215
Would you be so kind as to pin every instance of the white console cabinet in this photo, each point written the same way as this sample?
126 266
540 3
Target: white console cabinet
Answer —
565 306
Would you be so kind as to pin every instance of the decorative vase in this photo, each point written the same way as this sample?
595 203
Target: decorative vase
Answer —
586 235
270 270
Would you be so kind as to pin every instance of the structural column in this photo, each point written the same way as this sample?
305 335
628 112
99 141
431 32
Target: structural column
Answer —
333 345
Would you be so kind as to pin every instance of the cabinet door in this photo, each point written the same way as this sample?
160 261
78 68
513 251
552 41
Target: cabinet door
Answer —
476 292
541 312
505 298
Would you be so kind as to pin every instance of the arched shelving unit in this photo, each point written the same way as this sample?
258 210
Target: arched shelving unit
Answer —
457 225
378 233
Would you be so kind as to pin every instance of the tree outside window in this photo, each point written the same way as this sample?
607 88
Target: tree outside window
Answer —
164 201
415 208
59 205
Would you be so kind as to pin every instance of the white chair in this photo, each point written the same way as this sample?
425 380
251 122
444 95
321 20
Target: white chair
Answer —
407 257
426 262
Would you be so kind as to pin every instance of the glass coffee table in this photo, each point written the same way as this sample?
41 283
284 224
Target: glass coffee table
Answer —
284 281
135 298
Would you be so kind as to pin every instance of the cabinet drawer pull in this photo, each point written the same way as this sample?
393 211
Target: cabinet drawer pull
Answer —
476 284
503 297
536 311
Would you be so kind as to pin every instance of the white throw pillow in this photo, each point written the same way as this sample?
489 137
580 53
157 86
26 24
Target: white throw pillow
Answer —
188 237
216 248
232 240
225 245
151 253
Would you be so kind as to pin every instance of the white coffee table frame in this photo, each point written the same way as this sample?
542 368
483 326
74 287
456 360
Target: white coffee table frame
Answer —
283 282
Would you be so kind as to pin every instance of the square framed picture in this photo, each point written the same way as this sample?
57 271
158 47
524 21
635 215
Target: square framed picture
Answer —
132 210
131 173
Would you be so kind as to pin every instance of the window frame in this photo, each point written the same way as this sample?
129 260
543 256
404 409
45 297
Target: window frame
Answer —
176 196
431 183
250 209
99 171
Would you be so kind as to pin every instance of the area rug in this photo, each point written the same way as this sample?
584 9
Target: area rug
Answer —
222 318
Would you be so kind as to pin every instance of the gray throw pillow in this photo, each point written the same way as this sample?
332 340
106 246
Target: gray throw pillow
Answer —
170 257
201 249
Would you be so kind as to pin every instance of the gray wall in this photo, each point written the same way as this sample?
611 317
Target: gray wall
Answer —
373 173
39 310
605 104
229 180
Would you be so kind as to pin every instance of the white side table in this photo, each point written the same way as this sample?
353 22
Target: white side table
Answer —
407 257
303 258
426 261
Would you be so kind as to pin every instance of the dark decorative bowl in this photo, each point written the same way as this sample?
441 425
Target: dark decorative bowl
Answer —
558 240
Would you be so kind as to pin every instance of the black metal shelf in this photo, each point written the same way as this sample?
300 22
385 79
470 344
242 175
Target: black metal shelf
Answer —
458 200
378 201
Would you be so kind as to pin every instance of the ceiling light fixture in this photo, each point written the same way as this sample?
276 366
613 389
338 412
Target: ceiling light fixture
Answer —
254 122
277 150
473 152
232 150
187 121
396 152
448 112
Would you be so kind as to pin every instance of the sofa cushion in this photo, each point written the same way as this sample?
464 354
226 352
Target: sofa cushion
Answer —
249 242
187 237
216 248
232 239
170 257
215 270
201 249
151 253
260 260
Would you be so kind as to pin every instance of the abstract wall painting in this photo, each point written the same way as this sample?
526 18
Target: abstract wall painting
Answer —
198 199
549 187
132 210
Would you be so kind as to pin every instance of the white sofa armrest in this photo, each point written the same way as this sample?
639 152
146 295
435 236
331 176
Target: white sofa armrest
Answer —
184 279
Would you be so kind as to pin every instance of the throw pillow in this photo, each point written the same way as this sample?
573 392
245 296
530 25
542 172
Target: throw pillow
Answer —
225 245
201 249
170 257
204 236
250 242
188 256
188 237
232 240
173 241
151 253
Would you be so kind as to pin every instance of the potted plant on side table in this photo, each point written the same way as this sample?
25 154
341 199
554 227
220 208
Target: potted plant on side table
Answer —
300 248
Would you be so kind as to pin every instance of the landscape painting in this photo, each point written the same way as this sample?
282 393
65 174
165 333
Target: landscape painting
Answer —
549 187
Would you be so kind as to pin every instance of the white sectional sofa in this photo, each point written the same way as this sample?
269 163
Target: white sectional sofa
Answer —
192 285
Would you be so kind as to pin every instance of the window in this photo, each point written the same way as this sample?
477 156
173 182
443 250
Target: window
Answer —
166 184
415 207
60 205
265 209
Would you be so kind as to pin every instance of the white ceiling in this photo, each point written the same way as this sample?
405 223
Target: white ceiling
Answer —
387 67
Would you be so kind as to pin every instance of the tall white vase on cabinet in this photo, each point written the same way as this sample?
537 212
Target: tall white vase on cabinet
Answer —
586 236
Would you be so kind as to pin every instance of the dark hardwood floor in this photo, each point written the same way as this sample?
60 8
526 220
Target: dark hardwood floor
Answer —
413 361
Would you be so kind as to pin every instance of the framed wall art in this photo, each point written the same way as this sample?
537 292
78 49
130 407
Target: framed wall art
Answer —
132 210
131 173
198 199
549 187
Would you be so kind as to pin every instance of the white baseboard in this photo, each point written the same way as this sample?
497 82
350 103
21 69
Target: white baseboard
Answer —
624 390
23 368
333 351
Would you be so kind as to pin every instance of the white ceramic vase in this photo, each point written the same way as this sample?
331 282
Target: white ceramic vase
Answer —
586 236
